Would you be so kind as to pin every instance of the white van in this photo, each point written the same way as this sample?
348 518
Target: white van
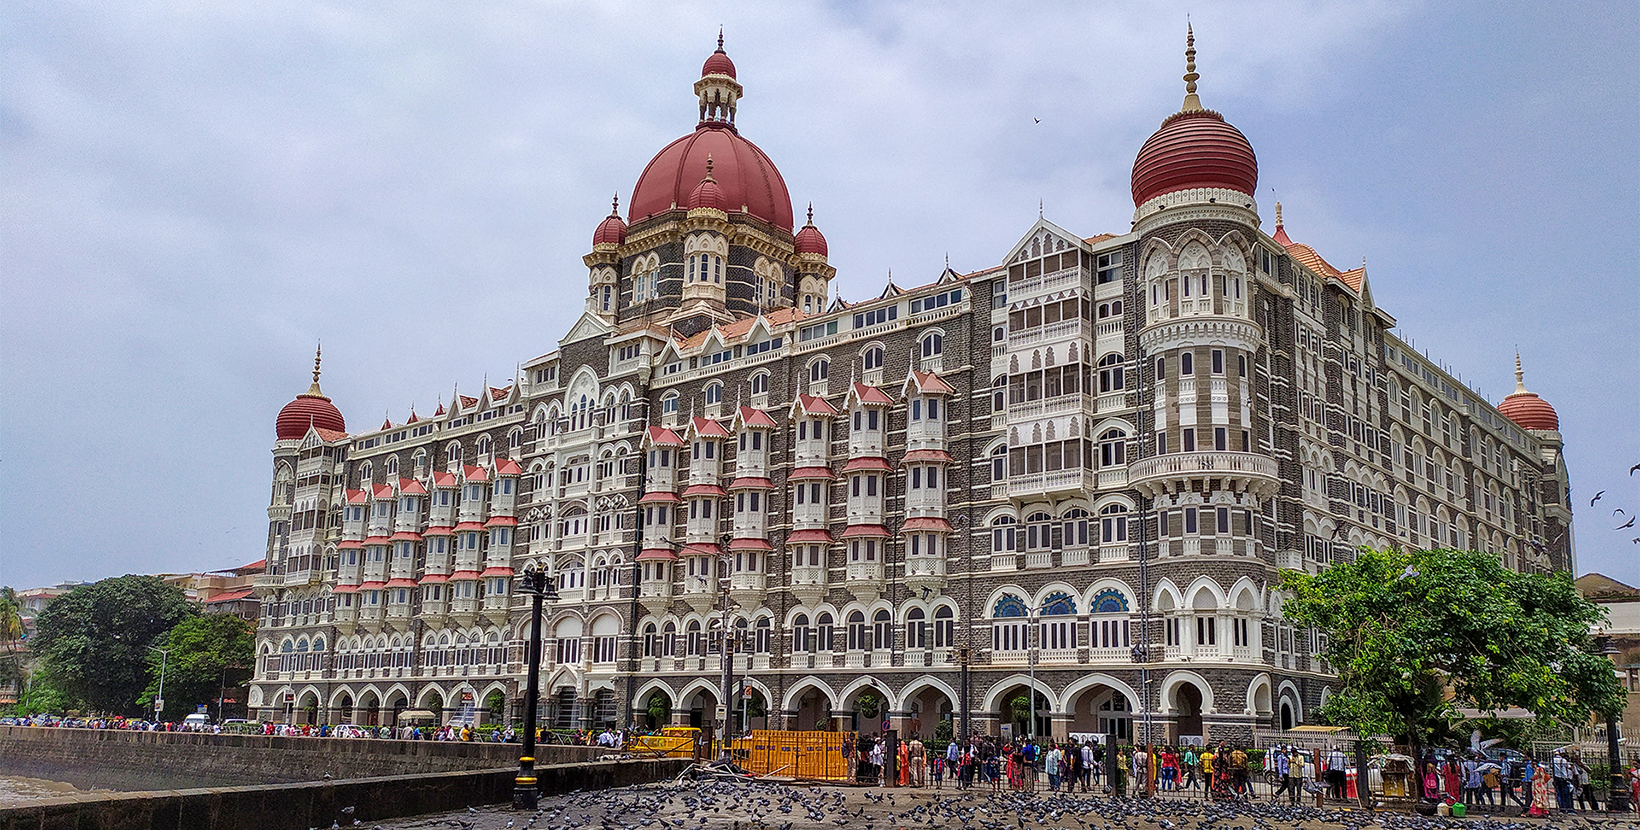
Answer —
197 722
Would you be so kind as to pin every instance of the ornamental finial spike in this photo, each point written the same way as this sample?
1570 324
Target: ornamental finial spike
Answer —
811 213
1192 103
709 169
615 205
1520 376
720 39
313 390
1278 214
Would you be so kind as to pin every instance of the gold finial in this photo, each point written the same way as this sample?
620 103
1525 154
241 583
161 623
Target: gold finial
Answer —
615 205
313 390
1520 376
1191 102
709 169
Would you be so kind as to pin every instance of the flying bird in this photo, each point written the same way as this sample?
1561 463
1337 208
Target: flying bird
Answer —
1626 525
1596 497
1620 511
1633 469
1038 120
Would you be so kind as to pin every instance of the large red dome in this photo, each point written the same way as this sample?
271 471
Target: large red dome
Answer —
744 174
308 408
1194 149
1526 409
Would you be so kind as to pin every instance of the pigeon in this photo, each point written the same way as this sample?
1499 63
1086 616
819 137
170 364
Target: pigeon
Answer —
1626 525
1596 497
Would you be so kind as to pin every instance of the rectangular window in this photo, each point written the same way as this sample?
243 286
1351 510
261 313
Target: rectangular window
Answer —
1190 520
1187 363
1220 439
1161 443
1189 439
1246 441
1218 361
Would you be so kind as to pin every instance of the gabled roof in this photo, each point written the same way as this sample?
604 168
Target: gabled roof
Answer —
1072 240
737 331
812 405
385 491
508 467
357 497
928 383
1601 586
869 395
663 437
474 473
755 418
330 436
411 487
707 428
445 480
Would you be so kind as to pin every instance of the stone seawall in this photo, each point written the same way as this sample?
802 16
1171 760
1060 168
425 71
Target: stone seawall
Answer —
170 759
320 803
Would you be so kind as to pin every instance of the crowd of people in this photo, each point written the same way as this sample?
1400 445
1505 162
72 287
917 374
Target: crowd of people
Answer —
1561 783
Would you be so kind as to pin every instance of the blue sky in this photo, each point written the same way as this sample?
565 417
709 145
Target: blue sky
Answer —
194 194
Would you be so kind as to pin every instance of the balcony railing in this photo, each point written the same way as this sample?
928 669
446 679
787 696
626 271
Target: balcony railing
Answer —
1257 472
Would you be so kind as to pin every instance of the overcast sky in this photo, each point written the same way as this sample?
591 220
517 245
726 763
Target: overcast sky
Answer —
194 193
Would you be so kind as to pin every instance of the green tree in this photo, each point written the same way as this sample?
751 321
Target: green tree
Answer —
11 640
1414 635
93 641
208 654
658 708
1019 706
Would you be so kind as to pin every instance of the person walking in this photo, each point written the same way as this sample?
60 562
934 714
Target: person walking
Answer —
1190 762
1470 773
1585 790
1239 778
1563 775
1335 773
1277 760
919 762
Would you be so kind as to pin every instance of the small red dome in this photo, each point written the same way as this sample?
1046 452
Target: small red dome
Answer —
707 194
308 408
718 63
612 230
809 239
1529 411
1192 149
744 176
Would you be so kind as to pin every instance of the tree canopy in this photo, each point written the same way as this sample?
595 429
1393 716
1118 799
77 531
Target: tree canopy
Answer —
208 653
93 641
11 640
1414 635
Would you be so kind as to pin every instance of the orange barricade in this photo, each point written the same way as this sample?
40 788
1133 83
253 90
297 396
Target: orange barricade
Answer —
809 756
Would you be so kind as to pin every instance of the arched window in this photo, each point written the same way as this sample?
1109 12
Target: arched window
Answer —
714 393
452 453
763 631
1008 629
802 636
669 404
999 389
650 641
1076 528
1109 626
945 627
1113 523
916 629
392 466
1037 534
693 639
933 345
483 445
760 383
1058 626
999 465
872 359
824 626
1003 532
882 630
1111 376
367 474
669 639
856 631
1113 448
819 369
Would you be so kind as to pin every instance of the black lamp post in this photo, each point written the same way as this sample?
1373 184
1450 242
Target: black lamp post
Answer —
538 585
1618 801
964 654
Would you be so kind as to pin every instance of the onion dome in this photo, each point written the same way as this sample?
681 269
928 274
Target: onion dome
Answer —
1526 409
1194 148
747 180
311 408
809 239
612 230
707 194
718 62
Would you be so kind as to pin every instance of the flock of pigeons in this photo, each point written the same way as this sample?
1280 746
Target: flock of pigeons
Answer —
742 805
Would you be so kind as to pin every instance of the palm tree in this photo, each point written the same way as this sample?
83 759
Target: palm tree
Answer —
11 639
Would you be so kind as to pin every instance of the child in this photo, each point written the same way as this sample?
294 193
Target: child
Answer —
939 770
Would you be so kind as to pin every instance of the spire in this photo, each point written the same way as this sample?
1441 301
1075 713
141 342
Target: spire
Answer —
709 169
313 391
615 205
720 39
1520 377
1278 214
1191 102
811 213
1280 236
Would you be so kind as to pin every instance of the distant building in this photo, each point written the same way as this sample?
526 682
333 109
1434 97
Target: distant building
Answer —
1082 467
1622 603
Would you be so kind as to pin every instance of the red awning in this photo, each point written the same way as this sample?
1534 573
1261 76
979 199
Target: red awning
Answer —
659 497
651 554
798 536
750 544
859 464
860 531
751 483
804 473
940 456
405 536
702 549
432 579
703 490
925 524
502 521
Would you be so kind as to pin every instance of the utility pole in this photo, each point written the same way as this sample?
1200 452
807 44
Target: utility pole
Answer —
1618 801
526 791
159 700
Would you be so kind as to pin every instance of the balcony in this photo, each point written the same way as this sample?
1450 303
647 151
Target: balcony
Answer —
865 580
1074 557
809 582
1076 480
1115 553
1038 559
1232 470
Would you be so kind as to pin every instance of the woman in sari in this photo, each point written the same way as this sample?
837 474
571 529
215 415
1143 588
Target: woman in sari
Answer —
905 763
1543 790
1432 783
1451 779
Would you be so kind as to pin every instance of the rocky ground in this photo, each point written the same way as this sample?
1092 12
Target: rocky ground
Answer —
732 805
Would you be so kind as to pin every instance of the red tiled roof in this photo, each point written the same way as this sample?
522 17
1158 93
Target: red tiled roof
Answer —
809 536
401 582
376 540
756 418
464 575
708 428
703 490
258 565
432 579
860 531
497 571
460 526
926 523
813 405
805 473
872 395
855 465
444 480
411 487
750 544
659 497
502 521
927 455
663 437
751 483
347 544
702 549
372 585
405 536
651 554
475 473
385 491
345 589
508 467
229 597
932 384
357 497
330 436
437 531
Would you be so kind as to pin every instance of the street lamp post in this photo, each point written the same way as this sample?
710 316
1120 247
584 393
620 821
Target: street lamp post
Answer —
535 582
964 654
1618 801
159 700
726 693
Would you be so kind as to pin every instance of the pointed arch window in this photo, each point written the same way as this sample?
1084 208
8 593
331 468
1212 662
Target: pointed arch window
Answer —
1111 374
872 359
